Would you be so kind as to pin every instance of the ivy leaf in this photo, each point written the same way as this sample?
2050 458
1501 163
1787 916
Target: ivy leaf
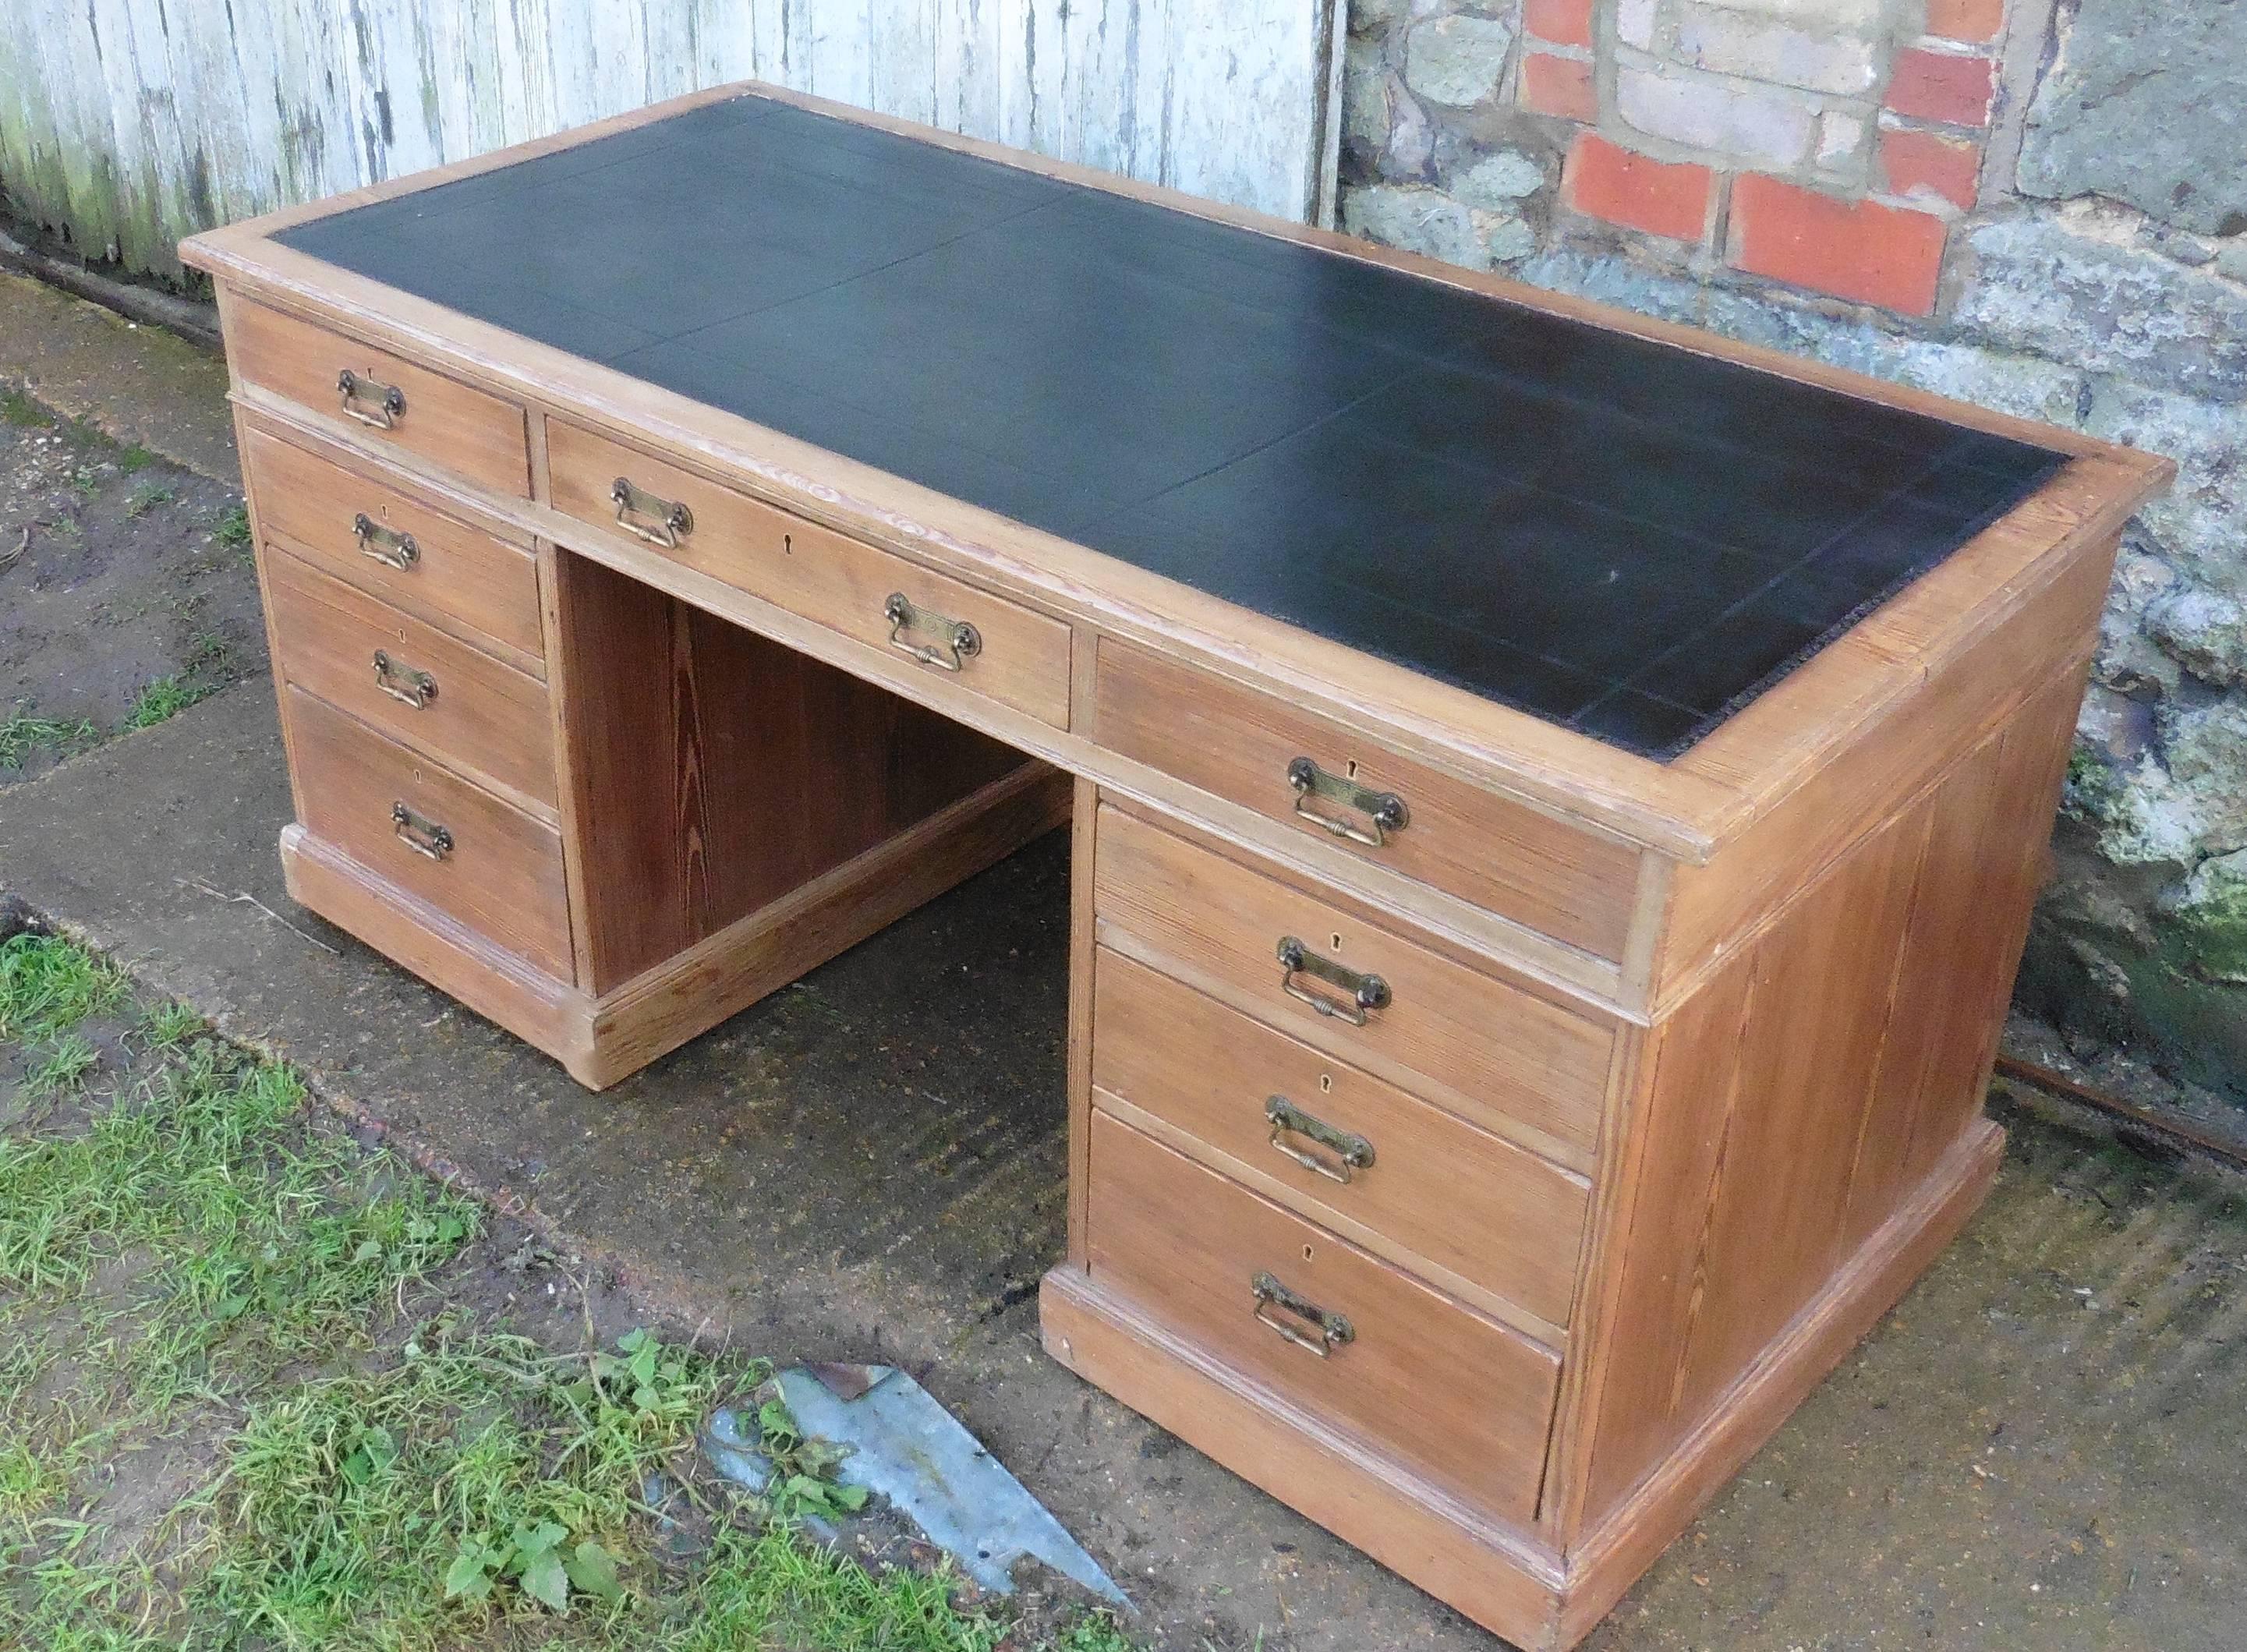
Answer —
546 1581
848 1498
368 1249
593 1569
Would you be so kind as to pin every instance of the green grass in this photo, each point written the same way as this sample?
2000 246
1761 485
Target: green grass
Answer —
195 1269
21 734
18 409
47 986
63 1067
232 530
144 499
162 699
133 458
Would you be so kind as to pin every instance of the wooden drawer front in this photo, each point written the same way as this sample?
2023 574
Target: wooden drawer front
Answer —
1467 1202
480 715
1499 1054
503 874
1501 856
1022 660
484 585
1466 1402
452 426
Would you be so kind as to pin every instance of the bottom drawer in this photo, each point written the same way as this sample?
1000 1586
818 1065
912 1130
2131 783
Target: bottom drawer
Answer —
1455 1396
456 846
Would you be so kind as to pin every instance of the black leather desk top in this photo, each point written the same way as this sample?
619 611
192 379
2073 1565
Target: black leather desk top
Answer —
1620 536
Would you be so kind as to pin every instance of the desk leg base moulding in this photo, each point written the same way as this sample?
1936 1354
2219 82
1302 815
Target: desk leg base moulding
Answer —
1481 1135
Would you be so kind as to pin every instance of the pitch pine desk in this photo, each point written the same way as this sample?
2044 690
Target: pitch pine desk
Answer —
1557 797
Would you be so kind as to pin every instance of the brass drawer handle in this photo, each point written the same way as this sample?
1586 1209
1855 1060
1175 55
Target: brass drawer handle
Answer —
1351 1153
385 545
370 401
659 522
1386 811
961 641
1366 993
399 681
1332 1330
420 833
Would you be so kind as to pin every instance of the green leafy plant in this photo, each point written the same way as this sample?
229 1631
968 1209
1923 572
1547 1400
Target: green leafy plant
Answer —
536 1559
803 1468
145 500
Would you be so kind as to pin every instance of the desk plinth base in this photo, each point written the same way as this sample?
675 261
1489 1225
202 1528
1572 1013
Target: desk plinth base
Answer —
602 1040
1520 1584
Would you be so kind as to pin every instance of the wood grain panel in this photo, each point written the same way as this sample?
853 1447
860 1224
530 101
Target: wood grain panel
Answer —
713 770
839 582
1818 1011
1989 824
462 577
1462 1400
1516 1057
1442 1192
1497 853
503 877
485 719
450 424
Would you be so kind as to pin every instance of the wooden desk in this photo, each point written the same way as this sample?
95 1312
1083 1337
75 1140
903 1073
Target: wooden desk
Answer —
1557 797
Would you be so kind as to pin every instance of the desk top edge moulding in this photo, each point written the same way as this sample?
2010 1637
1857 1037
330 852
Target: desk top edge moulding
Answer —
1556 797
1726 768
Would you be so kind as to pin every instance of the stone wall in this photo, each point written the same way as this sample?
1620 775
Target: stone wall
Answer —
2038 205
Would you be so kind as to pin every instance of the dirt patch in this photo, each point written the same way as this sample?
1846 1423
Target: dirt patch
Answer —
126 588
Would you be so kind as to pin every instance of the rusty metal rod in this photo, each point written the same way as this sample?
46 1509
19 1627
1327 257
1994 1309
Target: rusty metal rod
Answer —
2220 1148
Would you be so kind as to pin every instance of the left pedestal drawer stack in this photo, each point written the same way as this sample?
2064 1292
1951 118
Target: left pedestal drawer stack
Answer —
408 640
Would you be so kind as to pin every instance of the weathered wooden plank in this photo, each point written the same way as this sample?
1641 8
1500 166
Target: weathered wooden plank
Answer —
134 122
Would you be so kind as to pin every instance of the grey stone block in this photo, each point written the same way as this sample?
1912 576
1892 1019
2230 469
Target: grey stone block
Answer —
2148 104
2111 308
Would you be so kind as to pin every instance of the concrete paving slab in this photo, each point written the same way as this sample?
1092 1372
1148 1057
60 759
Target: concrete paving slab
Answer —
139 384
2039 1450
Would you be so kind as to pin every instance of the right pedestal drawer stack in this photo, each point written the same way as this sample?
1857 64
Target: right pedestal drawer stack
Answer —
1339 1155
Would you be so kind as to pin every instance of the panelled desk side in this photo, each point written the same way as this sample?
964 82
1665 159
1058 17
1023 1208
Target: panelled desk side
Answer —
1696 1050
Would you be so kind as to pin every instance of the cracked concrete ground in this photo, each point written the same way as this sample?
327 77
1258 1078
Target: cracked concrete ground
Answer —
2038 1449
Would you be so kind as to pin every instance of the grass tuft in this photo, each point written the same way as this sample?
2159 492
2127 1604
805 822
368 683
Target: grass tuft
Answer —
162 699
63 1068
232 530
144 499
47 986
21 734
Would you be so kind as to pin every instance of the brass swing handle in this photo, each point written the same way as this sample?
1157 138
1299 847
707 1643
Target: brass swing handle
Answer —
385 545
420 833
1385 810
1317 1330
659 522
1351 1152
403 682
371 401
1366 993
960 641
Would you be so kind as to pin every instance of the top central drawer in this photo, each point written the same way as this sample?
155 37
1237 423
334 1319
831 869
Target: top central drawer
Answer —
994 647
